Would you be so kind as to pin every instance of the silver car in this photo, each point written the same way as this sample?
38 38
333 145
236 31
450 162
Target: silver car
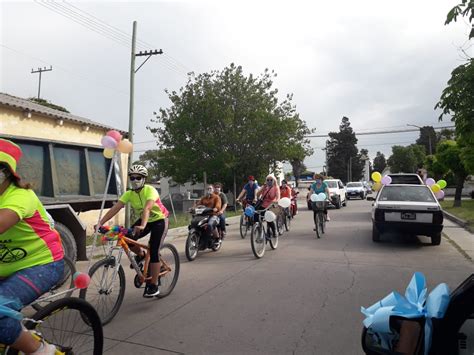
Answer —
355 190
409 209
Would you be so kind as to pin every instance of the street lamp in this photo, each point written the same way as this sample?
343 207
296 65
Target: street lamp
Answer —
429 135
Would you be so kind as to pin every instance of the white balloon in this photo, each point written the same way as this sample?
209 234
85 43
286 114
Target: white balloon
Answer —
321 196
270 216
314 197
284 202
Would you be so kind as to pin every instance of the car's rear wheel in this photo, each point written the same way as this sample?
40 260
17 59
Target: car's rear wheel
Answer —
338 202
436 239
375 234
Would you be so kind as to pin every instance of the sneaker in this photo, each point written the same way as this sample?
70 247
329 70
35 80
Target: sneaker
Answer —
151 290
45 349
138 259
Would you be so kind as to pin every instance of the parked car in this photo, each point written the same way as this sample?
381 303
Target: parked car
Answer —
337 193
355 190
407 208
402 178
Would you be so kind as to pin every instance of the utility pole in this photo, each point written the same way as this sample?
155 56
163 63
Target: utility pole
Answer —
133 71
40 70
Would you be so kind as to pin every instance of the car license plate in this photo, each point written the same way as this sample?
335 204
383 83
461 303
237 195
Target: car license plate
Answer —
409 215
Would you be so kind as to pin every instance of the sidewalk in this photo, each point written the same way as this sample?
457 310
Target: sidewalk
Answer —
460 238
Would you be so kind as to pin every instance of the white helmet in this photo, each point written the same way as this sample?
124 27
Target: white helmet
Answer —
138 169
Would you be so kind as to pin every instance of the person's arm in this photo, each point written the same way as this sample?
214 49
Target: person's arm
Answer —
112 212
217 203
277 196
144 217
241 195
8 218
223 207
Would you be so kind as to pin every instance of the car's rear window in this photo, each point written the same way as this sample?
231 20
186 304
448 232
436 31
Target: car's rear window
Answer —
332 184
354 184
419 193
405 179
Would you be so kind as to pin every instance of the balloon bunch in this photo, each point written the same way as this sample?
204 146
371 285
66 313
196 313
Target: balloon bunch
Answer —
113 141
318 197
111 233
379 180
436 187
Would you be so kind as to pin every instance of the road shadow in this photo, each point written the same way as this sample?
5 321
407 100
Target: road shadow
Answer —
403 240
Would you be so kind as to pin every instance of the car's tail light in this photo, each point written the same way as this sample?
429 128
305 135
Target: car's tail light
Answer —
379 215
438 217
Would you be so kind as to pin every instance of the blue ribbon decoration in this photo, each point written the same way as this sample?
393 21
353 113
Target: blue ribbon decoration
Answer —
415 304
8 308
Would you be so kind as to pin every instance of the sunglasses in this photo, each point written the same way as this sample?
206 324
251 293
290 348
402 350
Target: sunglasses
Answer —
269 179
133 178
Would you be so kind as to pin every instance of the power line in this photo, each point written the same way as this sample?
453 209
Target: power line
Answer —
381 132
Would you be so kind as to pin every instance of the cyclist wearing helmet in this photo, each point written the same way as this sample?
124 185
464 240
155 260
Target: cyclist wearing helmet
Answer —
149 215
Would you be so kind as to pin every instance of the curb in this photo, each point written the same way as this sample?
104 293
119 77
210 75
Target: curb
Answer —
457 220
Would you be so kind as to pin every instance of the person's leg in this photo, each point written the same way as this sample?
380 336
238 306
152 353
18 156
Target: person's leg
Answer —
158 232
24 287
212 227
135 248
222 222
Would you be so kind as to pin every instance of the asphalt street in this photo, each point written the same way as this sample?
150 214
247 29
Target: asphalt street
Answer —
303 298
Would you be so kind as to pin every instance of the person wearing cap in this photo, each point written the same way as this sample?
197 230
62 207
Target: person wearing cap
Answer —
31 251
248 195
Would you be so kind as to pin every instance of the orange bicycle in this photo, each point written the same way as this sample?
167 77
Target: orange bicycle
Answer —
107 287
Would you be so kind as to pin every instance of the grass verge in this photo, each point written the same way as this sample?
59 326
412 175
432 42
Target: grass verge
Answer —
465 212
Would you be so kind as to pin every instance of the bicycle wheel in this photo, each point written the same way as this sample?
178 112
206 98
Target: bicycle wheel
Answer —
273 239
106 289
316 224
71 324
257 240
244 226
170 263
63 285
279 224
287 221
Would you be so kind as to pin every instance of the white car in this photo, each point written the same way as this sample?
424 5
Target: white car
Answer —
409 209
337 192
356 190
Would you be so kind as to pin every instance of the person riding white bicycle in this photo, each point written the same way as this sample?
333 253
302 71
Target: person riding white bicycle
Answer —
150 216
267 195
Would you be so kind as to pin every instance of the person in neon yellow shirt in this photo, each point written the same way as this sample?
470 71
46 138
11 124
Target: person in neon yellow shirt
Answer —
149 215
31 253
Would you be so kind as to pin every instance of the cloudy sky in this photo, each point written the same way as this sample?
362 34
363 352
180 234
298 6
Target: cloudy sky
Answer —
382 64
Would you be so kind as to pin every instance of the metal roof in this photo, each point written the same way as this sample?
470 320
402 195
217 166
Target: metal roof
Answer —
24 104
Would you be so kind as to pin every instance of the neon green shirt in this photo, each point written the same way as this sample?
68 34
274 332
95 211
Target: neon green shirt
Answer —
138 201
30 242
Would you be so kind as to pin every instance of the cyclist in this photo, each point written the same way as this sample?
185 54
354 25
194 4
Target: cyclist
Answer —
267 195
212 200
31 253
221 212
248 191
150 216
319 186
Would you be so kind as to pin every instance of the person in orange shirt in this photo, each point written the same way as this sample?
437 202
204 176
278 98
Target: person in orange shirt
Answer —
285 190
212 200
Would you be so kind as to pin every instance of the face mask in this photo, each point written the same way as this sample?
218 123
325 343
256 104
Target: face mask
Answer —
3 177
218 190
318 181
137 184
209 192
269 182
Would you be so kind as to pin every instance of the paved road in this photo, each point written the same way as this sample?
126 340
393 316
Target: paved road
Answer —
303 298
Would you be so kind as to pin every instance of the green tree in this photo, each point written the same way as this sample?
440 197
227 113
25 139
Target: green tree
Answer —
406 159
228 125
150 160
380 162
342 153
444 134
427 139
449 157
298 168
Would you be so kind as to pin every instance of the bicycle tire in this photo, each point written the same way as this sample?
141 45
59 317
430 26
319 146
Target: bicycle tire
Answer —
287 221
66 282
257 240
244 227
50 320
316 223
166 290
192 246
273 240
95 293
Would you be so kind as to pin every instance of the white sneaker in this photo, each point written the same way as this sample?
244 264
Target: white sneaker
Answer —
45 349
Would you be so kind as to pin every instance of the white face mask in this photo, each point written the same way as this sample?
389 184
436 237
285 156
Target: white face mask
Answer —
218 190
3 177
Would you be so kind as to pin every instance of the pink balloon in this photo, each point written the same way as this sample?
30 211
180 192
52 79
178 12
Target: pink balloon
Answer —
109 142
386 180
430 181
439 195
115 135
81 280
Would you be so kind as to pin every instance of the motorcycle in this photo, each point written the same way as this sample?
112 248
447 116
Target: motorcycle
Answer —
199 236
